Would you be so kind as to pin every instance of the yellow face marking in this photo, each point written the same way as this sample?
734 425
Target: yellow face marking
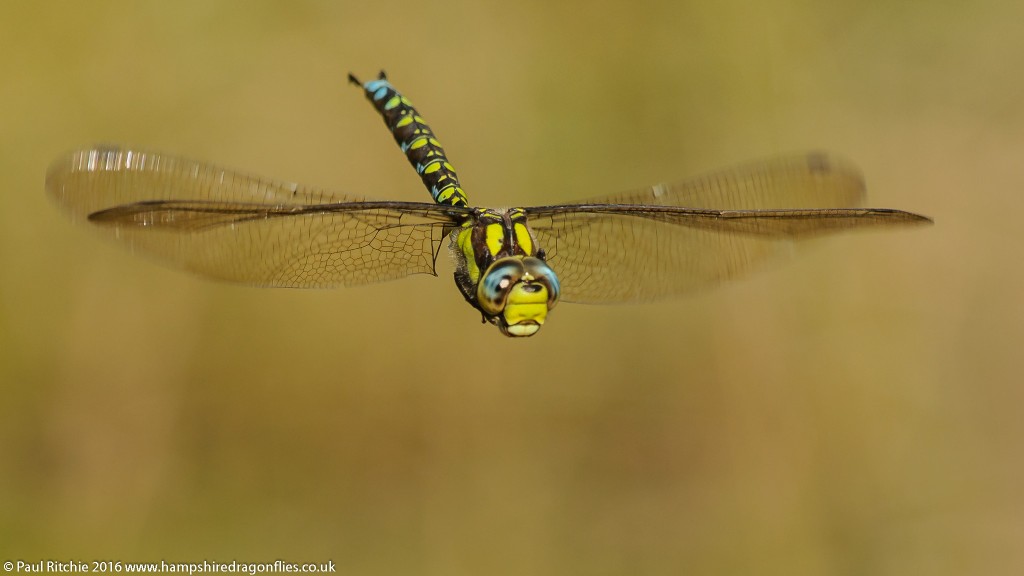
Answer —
495 238
516 313
523 237
526 306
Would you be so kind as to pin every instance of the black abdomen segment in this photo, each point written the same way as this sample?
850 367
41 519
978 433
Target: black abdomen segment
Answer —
416 140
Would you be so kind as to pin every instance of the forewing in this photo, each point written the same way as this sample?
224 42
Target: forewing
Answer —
815 180
672 238
240 228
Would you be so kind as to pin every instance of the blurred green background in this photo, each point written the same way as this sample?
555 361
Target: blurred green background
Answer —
856 410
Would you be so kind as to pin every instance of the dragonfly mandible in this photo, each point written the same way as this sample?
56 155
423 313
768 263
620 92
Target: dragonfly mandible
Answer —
512 265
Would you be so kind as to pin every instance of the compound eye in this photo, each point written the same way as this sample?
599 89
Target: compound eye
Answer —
539 272
492 292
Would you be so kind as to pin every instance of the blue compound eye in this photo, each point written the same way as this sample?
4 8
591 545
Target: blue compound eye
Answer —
539 272
492 292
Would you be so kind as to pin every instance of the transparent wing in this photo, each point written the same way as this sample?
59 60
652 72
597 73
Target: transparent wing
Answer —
245 229
815 180
672 238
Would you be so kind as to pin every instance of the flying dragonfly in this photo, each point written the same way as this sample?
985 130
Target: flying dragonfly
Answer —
512 265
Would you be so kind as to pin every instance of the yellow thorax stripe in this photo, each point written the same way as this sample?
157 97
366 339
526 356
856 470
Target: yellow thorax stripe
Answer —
465 243
495 235
523 238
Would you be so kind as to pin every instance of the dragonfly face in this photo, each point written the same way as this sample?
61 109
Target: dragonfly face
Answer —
501 272
516 294
635 246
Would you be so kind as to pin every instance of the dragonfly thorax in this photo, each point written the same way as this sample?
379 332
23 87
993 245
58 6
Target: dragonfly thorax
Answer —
501 272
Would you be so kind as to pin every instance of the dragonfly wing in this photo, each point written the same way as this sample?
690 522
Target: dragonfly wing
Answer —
615 258
672 238
815 180
245 229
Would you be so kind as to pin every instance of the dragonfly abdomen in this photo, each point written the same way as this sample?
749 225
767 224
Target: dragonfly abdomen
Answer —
416 140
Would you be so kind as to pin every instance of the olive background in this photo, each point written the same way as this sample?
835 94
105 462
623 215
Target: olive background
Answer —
854 410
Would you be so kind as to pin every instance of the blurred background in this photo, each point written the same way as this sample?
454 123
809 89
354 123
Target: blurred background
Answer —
856 410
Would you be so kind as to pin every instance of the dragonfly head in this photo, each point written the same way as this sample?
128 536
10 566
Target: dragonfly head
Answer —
516 292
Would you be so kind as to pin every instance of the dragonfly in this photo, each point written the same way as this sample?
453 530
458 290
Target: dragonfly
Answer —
512 265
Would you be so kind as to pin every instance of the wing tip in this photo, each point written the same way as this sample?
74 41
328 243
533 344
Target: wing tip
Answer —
60 182
917 219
